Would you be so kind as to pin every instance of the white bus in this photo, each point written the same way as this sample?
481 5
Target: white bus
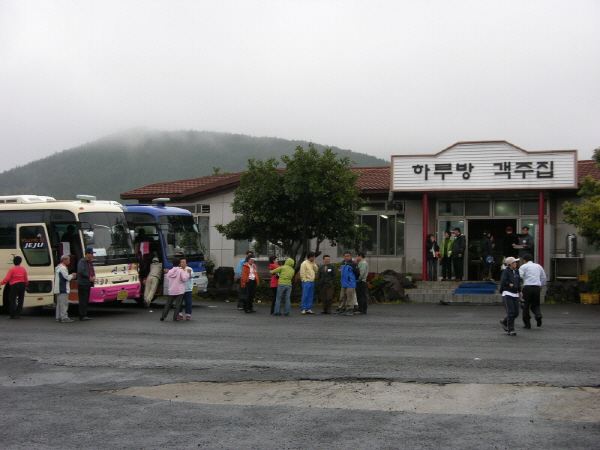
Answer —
41 229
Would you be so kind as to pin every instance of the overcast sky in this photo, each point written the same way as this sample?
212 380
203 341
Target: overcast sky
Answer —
378 77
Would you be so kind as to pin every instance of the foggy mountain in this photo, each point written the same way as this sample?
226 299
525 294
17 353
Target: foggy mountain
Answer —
136 158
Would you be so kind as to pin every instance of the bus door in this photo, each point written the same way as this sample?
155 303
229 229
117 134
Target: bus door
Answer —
37 260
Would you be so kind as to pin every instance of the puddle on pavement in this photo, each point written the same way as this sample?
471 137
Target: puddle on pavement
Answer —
578 404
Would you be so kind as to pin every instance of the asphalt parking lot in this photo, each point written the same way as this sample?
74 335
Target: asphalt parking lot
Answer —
413 376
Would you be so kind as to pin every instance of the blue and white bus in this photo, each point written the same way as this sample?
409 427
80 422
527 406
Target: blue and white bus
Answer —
166 232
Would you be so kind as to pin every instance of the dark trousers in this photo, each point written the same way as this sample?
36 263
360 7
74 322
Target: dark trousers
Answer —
250 293
511 304
326 296
531 301
458 265
83 292
16 297
432 264
447 267
361 296
177 299
274 298
241 294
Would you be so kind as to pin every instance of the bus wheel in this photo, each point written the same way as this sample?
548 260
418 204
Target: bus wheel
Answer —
4 305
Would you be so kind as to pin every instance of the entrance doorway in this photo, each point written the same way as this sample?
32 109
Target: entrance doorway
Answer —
475 229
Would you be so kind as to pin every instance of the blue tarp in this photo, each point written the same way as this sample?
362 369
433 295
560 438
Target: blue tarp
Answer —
485 288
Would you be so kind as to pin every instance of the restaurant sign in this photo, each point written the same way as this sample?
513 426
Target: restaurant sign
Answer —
485 166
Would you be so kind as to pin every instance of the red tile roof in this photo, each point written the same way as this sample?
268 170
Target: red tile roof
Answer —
587 167
372 180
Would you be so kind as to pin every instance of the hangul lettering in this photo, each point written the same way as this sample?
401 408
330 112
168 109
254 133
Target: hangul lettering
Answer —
443 170
419 169
504 169
545 165
523 168
466 169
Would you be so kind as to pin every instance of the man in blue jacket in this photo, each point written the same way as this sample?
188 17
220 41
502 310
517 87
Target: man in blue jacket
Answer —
348 292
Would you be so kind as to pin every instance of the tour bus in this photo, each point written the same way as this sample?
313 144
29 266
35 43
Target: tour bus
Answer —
41 230
166 232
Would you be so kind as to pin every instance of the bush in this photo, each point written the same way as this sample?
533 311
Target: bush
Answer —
594 280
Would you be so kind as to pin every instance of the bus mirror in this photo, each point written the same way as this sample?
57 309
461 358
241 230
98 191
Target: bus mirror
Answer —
89 237
85 226
171 239
165 227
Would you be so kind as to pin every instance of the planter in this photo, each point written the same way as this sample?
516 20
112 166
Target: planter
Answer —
589 299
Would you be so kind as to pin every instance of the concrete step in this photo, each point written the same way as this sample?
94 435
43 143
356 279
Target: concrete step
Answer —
432 297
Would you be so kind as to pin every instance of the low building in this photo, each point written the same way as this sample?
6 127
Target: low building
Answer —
474 186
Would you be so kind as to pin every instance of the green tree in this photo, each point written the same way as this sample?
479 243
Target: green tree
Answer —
313 198
586 215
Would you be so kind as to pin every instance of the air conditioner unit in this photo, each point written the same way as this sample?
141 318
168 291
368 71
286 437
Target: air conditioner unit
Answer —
399 206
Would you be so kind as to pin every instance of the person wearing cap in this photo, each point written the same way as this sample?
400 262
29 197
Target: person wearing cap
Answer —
526 243
86 275
459 246
152 281
510 286
534 278
509 242
249 281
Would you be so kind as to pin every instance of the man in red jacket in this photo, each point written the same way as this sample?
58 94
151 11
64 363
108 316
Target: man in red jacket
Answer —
17 280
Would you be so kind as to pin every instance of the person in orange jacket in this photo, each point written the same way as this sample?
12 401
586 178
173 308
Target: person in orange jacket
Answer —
249 282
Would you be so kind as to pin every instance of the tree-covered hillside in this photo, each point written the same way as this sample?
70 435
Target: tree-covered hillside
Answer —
128 160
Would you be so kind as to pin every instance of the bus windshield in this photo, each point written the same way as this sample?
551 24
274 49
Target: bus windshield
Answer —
108 236
181 237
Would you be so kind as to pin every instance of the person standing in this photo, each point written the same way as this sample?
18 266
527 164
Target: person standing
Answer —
459 247
241 291
508 244
526 243
17 279
152 281
273 264
326 279
433 251
361 283
308 272
487 256
446 255
284 286
349 275
62 280
510 286
187 295
249 282
177 278
534 278
86 275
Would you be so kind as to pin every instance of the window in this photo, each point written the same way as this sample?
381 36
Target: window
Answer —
529 207
477 208
242 247
386 237
451 208
34 245
203 227
506 208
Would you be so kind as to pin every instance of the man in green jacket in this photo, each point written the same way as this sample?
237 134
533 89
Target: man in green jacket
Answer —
286 275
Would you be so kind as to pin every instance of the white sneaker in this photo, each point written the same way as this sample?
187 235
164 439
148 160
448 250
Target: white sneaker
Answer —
303 311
